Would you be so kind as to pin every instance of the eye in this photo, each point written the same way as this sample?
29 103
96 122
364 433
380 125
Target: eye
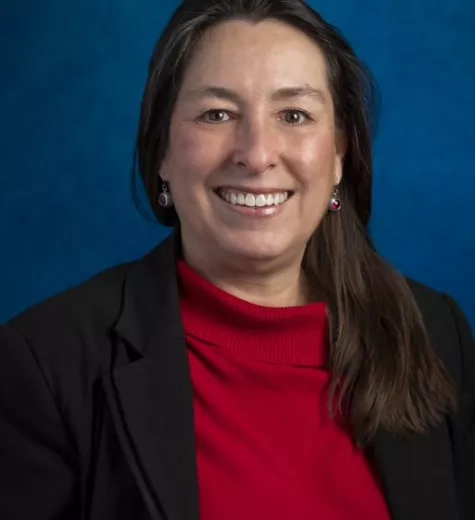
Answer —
296 117
215 116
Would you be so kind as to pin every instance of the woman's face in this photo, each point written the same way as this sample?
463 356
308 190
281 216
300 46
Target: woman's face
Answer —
253 154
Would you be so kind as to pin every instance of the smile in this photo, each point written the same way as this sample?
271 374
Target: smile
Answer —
253 200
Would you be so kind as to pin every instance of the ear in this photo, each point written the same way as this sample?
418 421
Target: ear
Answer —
341 145
163 168
163 172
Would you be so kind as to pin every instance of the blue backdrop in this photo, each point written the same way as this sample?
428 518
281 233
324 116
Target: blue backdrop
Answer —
72 75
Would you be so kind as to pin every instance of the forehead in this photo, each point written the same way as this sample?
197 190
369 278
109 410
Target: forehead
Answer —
267 54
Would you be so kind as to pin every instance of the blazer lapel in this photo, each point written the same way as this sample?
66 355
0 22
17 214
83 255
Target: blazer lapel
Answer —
416 475
150 392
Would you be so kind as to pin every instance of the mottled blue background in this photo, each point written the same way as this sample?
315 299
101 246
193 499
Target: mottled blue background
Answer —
71 78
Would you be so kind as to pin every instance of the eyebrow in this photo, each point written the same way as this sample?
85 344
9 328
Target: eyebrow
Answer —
280 94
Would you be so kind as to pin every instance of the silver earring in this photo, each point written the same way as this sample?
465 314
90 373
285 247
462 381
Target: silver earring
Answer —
335 201
164 198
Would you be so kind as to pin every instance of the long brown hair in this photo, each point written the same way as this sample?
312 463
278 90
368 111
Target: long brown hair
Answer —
383 366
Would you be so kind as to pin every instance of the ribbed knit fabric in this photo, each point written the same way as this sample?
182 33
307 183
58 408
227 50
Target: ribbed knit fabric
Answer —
266 446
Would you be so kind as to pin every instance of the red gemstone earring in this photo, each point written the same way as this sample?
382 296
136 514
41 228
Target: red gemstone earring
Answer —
335 201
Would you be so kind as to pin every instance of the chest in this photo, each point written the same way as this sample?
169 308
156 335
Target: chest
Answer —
147 460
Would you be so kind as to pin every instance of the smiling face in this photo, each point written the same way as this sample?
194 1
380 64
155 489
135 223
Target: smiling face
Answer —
253 152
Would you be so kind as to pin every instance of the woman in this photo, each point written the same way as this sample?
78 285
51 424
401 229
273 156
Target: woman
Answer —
263 362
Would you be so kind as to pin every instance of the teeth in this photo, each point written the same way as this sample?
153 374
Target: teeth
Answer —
252 200
261 201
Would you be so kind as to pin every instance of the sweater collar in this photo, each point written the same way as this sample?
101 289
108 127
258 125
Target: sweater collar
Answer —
278 335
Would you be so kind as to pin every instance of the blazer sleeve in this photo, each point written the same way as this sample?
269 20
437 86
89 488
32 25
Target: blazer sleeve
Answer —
466 412
38 473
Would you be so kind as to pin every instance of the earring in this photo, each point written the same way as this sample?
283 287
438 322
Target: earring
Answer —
335 201
164 198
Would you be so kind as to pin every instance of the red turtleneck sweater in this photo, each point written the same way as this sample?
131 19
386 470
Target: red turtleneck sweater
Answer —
266 446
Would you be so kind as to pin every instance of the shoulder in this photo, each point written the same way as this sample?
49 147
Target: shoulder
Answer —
76 327
80 310
448 329
430 301
67 335
64 346
54 353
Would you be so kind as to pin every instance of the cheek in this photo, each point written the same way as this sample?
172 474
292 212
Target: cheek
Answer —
190 155
316 156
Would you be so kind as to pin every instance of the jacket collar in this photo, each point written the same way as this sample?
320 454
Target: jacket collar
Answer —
150 312
150 392
151 398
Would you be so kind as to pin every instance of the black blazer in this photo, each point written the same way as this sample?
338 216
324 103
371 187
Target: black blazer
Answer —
97 414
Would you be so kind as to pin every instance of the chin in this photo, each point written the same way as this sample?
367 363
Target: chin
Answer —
255 250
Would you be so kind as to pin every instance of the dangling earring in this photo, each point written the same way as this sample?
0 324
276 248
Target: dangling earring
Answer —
335 201
164 198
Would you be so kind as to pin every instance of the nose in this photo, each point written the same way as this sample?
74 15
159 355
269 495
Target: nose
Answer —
255 146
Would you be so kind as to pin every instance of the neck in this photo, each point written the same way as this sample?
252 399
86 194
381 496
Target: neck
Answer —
270 285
